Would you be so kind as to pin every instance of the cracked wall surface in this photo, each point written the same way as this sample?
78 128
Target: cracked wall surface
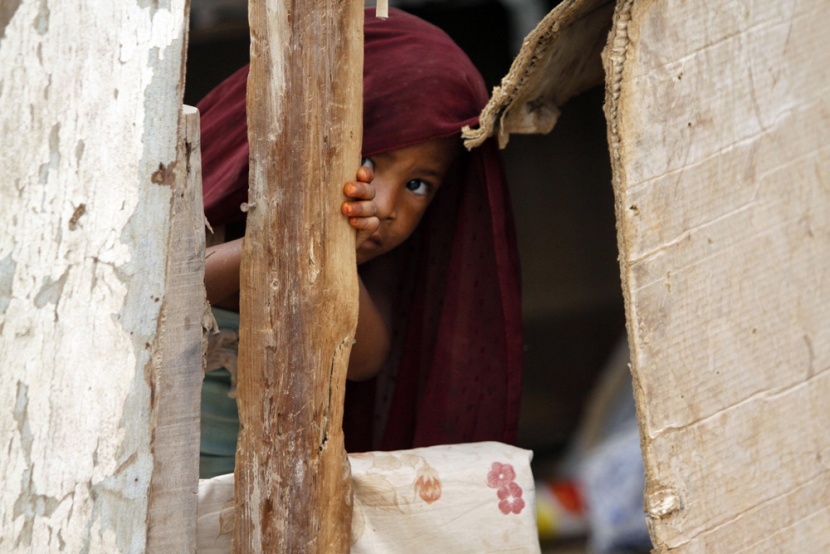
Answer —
90 110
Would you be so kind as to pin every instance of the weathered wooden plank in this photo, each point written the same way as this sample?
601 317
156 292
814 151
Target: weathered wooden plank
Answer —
179 361
91 97
718 124
298 277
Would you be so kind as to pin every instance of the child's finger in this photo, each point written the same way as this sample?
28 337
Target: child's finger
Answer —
360 209
367 224
365 174
360 191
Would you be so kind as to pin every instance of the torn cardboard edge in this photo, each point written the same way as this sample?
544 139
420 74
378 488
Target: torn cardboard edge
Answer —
558 60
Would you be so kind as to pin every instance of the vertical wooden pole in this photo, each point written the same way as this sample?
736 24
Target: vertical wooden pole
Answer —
91 95
178 365
299 284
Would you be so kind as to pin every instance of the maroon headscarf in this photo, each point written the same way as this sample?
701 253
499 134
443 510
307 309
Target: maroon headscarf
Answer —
455 372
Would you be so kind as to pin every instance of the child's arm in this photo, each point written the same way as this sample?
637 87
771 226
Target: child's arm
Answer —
372 336
222 274
222 260
372 342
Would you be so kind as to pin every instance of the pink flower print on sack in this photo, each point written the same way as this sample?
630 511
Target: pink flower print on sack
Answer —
427 485
510 497
500 475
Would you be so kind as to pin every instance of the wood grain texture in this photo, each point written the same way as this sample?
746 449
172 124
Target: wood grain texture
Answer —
299 281
178 364
91 95
719 122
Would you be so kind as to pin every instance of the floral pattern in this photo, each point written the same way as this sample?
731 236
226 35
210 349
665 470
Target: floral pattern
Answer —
427 485
450 498
511 499
373 490
502 477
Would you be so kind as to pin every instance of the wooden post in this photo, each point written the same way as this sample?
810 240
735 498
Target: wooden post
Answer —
179 363
719 125
91 95
299 284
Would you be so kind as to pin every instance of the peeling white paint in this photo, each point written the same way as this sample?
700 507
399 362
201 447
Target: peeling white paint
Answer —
76 301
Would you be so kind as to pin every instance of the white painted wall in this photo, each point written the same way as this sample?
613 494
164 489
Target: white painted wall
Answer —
91 98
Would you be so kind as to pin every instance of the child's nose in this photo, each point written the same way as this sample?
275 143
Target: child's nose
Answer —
386 199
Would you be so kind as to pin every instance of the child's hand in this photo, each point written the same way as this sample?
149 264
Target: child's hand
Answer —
361 208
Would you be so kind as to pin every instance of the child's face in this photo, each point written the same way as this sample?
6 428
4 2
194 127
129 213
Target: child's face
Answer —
406 181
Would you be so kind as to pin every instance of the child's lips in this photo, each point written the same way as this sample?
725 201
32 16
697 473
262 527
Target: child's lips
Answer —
374 241
370 245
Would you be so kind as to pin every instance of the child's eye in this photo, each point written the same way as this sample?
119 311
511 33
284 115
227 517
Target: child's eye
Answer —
419 187
366 162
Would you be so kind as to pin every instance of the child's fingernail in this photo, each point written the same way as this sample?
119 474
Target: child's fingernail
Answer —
347 209
351 190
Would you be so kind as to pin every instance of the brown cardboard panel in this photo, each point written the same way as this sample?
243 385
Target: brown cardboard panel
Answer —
718 125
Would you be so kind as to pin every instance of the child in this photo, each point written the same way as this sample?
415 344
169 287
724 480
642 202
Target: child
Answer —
440 314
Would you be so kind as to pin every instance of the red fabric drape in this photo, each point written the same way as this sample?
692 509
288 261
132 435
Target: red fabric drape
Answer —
455 375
